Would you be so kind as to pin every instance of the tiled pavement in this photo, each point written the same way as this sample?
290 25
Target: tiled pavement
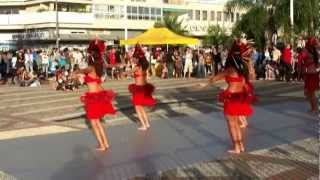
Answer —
298 160
188 128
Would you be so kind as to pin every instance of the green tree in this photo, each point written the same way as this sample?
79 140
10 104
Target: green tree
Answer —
275 15
172 23
216 36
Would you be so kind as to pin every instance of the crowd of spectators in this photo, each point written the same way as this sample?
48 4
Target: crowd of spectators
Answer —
31 67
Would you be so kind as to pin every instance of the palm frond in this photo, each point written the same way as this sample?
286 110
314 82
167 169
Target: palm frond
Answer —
233 5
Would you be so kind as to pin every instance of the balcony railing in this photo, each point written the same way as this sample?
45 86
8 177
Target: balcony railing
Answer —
46 17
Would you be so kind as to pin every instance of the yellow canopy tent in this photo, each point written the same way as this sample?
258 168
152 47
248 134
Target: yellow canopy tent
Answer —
155 36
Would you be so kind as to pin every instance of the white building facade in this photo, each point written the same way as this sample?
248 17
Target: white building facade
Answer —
32 23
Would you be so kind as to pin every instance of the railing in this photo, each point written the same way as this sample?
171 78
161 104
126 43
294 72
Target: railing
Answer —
46 17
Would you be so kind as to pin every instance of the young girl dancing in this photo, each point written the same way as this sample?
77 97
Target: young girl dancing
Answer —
141 90
97 101
237 97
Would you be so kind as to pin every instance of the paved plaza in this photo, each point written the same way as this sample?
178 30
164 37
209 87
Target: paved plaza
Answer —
43 135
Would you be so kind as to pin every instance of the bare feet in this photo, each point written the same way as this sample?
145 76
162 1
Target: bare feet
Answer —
148 126
142 128
242 148
102 148
235 151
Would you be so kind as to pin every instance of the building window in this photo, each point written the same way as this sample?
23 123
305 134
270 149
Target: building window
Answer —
204 15
134 12
232 17
146 13
153 13
212 15
190 14
198 15
158 14
219 16
225 16
238 17
140 13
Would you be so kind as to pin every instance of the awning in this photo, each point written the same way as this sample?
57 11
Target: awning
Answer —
156 36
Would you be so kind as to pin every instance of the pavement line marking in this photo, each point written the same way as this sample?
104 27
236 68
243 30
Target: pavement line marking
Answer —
123 87
80 105
19 98
29 132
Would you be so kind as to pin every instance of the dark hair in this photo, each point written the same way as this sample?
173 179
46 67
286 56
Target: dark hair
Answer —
96 61
236 62
143 62
314 54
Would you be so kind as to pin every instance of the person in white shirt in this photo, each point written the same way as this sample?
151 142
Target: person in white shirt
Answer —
188 66
45 63
28 60
77 56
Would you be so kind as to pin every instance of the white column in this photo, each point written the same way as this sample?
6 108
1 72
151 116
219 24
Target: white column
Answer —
291 22
126 23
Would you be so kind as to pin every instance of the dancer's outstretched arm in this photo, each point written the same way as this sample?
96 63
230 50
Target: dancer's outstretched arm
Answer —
214 78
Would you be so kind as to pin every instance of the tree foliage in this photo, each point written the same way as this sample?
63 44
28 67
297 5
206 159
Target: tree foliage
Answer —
173 23
215 36
274 15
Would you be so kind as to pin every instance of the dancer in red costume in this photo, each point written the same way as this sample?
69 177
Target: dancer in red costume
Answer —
308 60
97 101
141 90
237 97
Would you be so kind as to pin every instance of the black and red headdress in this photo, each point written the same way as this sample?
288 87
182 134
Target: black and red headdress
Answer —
97 48
239 49
138 52
311 43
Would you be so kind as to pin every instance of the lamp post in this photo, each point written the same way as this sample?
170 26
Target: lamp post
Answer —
291 22
126 23
57 25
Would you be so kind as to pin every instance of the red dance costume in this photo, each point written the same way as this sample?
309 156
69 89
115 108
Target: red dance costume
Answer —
142 94
97 104
238 103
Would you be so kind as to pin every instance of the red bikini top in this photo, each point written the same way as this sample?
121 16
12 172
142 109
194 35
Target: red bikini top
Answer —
230 79
89 79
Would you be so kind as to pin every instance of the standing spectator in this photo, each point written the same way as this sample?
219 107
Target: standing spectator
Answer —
3 68
170 63
301 43
201 65
208 62
276 54
112 61
224 56
45 63
62 60
286 61
13 69
28 60
188 67
217 60
177 64
78 57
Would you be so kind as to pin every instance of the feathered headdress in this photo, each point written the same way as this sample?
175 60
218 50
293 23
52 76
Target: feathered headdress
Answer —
312 42
240 49
138 52
97 46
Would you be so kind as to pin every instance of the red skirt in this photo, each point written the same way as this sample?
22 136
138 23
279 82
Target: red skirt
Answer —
142 95
311 82
236 104
98 104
